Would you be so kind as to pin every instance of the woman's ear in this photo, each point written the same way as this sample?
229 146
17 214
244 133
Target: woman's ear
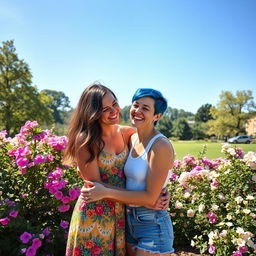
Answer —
157 116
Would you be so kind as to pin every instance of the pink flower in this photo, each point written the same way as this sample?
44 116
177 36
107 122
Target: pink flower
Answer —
243 249
46 232
3 134
27 127
13 213
36 243
23 171
39 159
4 221
25 237
73 194
23 250
64 224
50 158
214 184
65 199
63 208
31 251
211 249
22 161
58 195
237 253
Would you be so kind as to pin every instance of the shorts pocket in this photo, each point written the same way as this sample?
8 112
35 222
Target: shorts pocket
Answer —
147 218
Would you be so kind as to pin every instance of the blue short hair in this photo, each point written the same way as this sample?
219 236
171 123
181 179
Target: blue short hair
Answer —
160 101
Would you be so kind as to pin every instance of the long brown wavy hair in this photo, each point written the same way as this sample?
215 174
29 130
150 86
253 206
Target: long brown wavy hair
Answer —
84 129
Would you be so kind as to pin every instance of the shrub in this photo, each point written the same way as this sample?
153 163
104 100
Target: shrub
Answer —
37 194
213 202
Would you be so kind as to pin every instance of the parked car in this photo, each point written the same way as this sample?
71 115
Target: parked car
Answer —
240 139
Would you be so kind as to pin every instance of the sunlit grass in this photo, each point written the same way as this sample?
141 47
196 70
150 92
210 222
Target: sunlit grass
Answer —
213 149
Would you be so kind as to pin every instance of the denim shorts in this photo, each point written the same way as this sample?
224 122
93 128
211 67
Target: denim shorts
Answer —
149 230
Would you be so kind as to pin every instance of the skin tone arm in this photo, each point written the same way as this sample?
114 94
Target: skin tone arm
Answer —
161 160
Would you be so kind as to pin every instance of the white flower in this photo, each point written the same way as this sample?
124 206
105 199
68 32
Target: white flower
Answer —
229 224
250 197
245 202
251 244
201 207
239 230
192 243
215 207
184 178
186 195
240 242
223 233
190 213
225 147
246 211
229 217
221 196
227 171
231 151
178 205
239 199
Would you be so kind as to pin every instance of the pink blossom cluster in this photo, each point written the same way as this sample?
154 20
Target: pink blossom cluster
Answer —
58 143
212 217
240 251
35 243
11 214
55 184
24 130
188 161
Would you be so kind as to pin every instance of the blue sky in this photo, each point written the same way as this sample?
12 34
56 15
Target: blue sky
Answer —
190 50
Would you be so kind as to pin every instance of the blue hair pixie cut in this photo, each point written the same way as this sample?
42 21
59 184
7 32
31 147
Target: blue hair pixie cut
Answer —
160 101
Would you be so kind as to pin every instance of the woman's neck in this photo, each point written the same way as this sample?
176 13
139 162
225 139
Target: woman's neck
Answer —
146 134
108 130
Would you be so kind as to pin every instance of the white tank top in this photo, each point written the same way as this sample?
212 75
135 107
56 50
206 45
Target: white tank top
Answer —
136 168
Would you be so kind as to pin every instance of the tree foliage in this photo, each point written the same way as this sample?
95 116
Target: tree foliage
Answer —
165 126
175 113
232 113
19 100
203 114
60 104
181 129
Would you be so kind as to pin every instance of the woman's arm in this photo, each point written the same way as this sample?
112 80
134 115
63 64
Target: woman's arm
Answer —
161 160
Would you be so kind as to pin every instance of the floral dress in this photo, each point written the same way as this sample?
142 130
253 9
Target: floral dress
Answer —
98 228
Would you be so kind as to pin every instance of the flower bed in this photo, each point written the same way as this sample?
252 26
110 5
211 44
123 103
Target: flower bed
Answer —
212 202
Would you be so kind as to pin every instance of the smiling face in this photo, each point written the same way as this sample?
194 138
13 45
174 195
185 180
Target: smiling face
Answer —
142 112
110 110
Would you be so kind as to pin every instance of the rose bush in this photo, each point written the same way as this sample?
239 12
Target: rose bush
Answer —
37 192
213 203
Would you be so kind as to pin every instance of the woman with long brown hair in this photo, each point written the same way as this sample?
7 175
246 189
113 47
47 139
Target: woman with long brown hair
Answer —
98 146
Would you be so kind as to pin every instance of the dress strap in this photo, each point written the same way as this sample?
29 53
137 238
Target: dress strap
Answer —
148 147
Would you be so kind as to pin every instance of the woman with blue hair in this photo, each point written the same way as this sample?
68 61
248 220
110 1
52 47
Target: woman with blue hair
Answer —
147 168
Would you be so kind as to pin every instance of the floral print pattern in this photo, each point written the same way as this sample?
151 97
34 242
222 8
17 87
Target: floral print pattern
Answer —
98 228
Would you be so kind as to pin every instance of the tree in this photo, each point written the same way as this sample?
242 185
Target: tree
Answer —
19 101
164 126
232 113
126 114
199 130
175 113
60 104
181 129
203 114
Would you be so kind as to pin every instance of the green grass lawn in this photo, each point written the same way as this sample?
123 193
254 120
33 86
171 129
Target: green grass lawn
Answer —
183 148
